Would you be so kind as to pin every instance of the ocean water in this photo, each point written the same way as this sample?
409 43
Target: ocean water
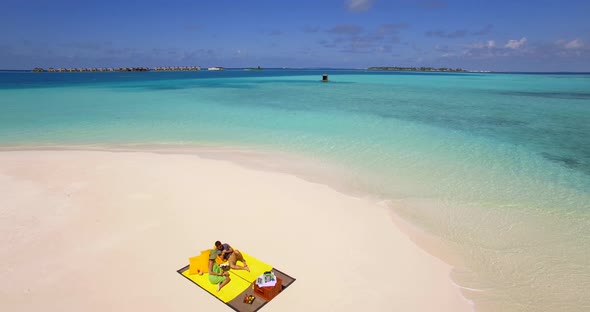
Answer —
495 165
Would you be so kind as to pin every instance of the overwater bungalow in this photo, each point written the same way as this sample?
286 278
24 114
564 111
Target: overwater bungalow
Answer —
124 69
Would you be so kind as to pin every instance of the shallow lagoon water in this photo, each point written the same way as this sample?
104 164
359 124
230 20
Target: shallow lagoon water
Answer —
496 165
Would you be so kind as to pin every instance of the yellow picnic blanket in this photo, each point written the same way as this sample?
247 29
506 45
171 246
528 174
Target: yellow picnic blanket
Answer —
240 279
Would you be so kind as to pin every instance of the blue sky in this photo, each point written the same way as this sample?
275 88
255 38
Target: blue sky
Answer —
540 35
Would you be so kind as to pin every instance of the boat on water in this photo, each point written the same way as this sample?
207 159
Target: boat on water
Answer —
215 68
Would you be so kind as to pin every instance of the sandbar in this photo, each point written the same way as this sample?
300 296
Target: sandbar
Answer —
106 231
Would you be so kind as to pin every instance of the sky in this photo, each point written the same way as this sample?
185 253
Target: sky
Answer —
496 35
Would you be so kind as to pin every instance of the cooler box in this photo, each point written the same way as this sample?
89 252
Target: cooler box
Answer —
269 292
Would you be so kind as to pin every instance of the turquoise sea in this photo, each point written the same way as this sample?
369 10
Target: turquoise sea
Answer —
495 165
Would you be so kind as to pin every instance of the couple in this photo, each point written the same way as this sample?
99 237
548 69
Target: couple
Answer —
225 252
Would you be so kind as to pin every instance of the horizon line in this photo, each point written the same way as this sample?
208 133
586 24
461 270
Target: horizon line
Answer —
344 68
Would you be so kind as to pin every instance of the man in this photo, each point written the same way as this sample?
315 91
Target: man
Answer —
232 256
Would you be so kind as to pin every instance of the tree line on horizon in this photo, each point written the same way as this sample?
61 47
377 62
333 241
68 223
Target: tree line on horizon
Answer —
441 69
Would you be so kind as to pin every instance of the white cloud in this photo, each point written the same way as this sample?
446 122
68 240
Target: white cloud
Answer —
490 48
515 44
574 44
359 5
483 45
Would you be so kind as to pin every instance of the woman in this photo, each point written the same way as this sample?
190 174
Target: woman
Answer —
216 274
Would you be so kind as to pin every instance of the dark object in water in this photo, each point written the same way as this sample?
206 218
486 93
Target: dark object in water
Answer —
325 78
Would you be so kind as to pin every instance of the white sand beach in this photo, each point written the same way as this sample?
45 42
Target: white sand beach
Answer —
106 231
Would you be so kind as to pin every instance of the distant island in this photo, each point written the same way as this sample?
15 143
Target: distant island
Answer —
120 69
197 68
424 69
131 69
